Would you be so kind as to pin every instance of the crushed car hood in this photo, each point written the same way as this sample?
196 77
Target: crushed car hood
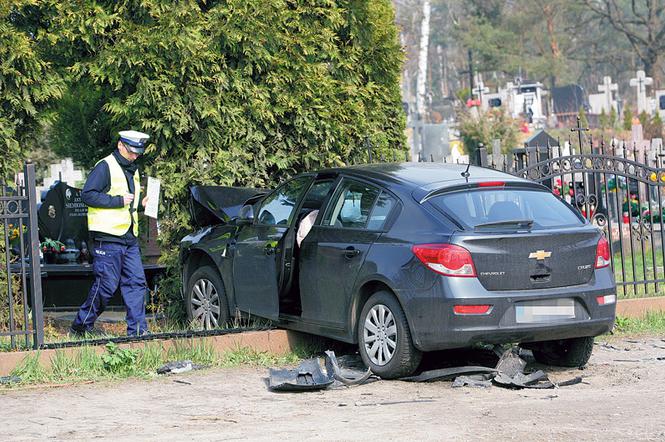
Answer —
209 205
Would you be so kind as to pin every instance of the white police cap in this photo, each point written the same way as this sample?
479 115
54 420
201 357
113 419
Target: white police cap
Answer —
134 140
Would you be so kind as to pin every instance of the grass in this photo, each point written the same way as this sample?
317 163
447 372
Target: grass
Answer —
85 364
59 332
639 290
653 323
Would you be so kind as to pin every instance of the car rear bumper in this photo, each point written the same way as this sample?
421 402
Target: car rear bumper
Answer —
435 326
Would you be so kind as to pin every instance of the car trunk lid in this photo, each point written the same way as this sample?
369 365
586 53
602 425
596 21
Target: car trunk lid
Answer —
533 259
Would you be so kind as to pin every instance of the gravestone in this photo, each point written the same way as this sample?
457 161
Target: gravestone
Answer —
606 89
597 104
640 83
660 103
62 215
497 160
436 142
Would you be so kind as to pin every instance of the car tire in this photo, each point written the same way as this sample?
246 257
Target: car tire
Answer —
573 352
206 299
382 322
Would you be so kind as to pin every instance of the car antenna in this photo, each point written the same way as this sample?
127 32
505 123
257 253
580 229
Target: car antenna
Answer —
466 173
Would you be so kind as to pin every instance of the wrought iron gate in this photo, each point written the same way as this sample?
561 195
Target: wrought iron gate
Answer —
619 188
20 274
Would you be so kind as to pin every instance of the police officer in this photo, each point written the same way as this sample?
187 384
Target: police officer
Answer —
112 193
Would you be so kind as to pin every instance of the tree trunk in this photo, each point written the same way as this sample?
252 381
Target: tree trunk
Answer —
652 68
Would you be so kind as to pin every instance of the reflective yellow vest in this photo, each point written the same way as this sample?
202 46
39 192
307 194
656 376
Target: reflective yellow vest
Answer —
116 221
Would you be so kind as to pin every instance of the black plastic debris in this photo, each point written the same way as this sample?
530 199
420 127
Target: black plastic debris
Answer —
344 377
447 374
176 367
537 379
508 373
9 380
307 377
312 375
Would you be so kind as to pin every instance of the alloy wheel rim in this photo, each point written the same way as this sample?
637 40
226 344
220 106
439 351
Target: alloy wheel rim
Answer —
380 335
205 304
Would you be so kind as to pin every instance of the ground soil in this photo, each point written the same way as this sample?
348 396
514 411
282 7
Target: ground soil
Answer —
622 397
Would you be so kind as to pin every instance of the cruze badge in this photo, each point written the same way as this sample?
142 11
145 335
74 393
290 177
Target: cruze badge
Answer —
540 255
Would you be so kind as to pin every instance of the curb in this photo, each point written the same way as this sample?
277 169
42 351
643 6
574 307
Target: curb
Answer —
277 342
639 307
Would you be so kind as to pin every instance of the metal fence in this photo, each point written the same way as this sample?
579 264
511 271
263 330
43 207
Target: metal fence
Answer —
618 187
20 274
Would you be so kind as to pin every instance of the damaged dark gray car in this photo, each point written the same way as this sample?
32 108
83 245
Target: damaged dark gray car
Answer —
403 259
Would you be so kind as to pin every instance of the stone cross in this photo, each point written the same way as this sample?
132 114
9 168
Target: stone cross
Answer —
480 89
63 171
606 88
640 82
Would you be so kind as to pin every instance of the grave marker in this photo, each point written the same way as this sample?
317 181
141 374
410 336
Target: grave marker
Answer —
606 89
640 82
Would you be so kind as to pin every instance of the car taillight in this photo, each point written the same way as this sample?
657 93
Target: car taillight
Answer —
476 309
602 253
607 299
446 259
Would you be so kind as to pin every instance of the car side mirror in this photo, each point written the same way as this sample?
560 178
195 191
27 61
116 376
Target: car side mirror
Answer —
246 215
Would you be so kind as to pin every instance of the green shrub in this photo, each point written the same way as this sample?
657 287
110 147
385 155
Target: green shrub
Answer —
232 93
119 360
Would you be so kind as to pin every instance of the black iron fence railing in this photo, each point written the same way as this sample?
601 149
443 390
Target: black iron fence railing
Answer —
21 313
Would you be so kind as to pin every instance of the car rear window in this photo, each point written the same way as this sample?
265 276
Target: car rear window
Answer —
471 208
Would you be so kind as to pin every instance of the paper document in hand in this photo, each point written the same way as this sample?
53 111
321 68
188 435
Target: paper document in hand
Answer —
152 206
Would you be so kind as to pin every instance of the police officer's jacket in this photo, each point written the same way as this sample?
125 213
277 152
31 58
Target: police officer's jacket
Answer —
103 194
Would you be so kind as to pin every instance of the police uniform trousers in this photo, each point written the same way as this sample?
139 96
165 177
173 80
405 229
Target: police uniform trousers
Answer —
114 265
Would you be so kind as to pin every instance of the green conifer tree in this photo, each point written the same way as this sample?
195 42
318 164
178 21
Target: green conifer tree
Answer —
603 120
612 119
584 122
627 119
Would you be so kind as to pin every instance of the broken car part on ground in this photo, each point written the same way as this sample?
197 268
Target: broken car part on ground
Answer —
315 374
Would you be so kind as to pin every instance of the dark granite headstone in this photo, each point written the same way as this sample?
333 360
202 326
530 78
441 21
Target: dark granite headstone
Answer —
63 215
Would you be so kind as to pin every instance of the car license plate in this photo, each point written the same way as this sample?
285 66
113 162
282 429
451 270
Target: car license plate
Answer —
550 310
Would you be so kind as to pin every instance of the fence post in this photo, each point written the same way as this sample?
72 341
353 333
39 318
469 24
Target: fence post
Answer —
35 267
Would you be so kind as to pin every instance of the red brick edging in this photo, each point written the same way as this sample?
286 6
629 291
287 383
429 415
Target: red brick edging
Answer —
638 307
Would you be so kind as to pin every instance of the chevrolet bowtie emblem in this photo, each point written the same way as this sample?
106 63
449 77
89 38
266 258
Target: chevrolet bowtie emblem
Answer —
540 255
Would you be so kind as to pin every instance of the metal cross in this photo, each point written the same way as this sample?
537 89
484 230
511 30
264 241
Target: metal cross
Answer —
579 129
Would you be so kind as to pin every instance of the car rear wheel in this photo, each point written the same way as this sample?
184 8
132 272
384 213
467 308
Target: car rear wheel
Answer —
573 352
206 299
384 338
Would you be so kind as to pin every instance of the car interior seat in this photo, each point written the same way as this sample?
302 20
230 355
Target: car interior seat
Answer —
504 210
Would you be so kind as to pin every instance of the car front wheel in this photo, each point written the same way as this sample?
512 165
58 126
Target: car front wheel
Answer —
573 352
206 299
384 338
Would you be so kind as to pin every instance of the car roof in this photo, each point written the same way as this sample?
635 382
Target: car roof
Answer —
423 177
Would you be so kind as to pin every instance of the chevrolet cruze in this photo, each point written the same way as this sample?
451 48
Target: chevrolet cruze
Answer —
403 259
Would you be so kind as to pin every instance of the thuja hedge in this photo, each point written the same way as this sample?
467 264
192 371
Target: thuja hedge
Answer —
234 92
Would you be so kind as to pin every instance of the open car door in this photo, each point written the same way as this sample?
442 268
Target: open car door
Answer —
258 263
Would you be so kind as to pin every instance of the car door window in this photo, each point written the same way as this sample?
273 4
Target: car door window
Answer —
384 205
353 206
279 207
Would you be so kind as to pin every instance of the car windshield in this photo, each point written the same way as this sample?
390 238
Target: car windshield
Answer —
506 208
